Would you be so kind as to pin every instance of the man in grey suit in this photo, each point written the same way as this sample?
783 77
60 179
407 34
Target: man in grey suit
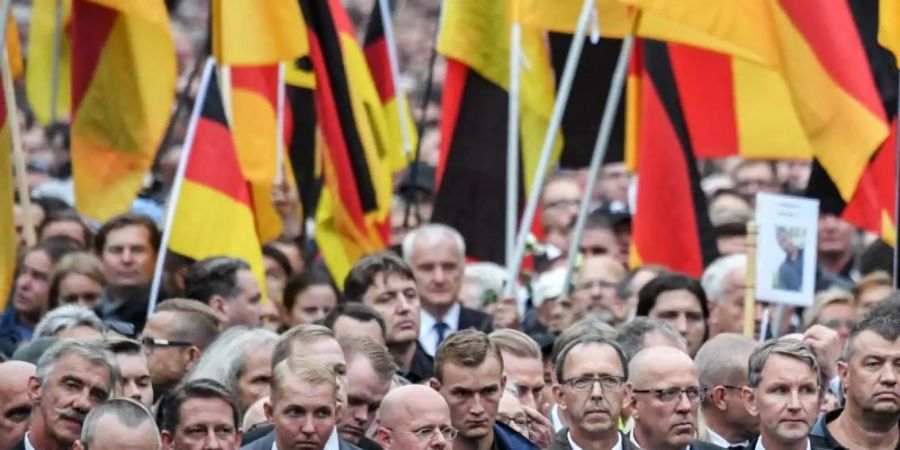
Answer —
592 372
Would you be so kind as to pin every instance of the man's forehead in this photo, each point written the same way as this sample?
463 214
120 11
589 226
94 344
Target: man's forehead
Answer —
391 281
484 375
870 343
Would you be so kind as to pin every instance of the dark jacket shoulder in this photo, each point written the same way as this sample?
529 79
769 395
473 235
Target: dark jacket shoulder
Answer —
472 318
347 446
262 443
368 444
505 438
700 445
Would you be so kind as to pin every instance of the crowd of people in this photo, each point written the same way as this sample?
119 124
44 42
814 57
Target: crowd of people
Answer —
418 349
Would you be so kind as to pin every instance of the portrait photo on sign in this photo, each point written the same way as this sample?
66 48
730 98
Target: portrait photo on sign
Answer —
786 249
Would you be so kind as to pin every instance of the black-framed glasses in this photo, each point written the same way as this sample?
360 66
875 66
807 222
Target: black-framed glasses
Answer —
694 394
152 343
427 434
607 383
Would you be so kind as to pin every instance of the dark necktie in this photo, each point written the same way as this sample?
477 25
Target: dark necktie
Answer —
441 329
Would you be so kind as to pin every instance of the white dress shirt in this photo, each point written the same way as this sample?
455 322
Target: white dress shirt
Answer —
759 444
428 333
331 444
715 438
575 446
28 445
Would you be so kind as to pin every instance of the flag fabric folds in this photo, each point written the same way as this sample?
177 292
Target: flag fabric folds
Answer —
214 212
668 190
123 88
352 136
257 32
39 80
824 71
375 47
475 39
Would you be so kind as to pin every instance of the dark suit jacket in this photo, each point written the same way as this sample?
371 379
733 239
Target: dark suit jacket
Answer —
421 368
561 441
265 443
471 318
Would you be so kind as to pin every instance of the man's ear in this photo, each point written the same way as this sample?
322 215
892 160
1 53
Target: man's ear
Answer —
717 397
193 356
629 402
843 373
434 383
558 396
167 439
77 445
34 390
749 398
503 379
269 410
383 436
219 306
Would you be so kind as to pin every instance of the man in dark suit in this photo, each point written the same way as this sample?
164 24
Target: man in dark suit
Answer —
667 394
303 408
200 414
386 283
72 377
784 391
437 254
592 372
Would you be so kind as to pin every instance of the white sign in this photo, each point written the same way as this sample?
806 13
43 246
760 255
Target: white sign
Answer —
786 249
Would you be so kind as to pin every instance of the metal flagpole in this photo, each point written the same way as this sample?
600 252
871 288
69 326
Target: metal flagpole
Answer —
279 128
562 97
606 124
512 135
179 179
12 119
57 54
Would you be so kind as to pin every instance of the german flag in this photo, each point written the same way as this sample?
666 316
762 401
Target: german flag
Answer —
8 239
472 173
300 83
214 211
380 59
824 71
123 88
873 204
42 36
356 159
668 189
257 32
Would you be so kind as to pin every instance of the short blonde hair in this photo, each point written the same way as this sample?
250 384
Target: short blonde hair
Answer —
831 296
875 279
515 343
306 370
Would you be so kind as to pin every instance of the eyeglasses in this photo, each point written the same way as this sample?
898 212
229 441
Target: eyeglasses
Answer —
607 383
694 394
519 421
151 343
428 434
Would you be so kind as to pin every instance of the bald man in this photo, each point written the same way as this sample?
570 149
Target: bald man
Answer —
594 292
15 406
414 417
722 367
667 394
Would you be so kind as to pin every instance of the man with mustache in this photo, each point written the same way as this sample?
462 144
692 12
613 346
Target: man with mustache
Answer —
869 374
72 377
591 390
784 392
667 394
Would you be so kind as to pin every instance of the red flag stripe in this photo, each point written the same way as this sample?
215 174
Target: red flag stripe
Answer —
91 26
454 83
706 86
213 142
841 53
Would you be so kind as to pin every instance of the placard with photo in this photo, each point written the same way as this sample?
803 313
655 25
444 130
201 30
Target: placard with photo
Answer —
786 248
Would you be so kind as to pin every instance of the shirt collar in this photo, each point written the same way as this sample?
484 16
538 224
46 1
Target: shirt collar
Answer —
575 446
716 438
759 444
28 445
451 319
